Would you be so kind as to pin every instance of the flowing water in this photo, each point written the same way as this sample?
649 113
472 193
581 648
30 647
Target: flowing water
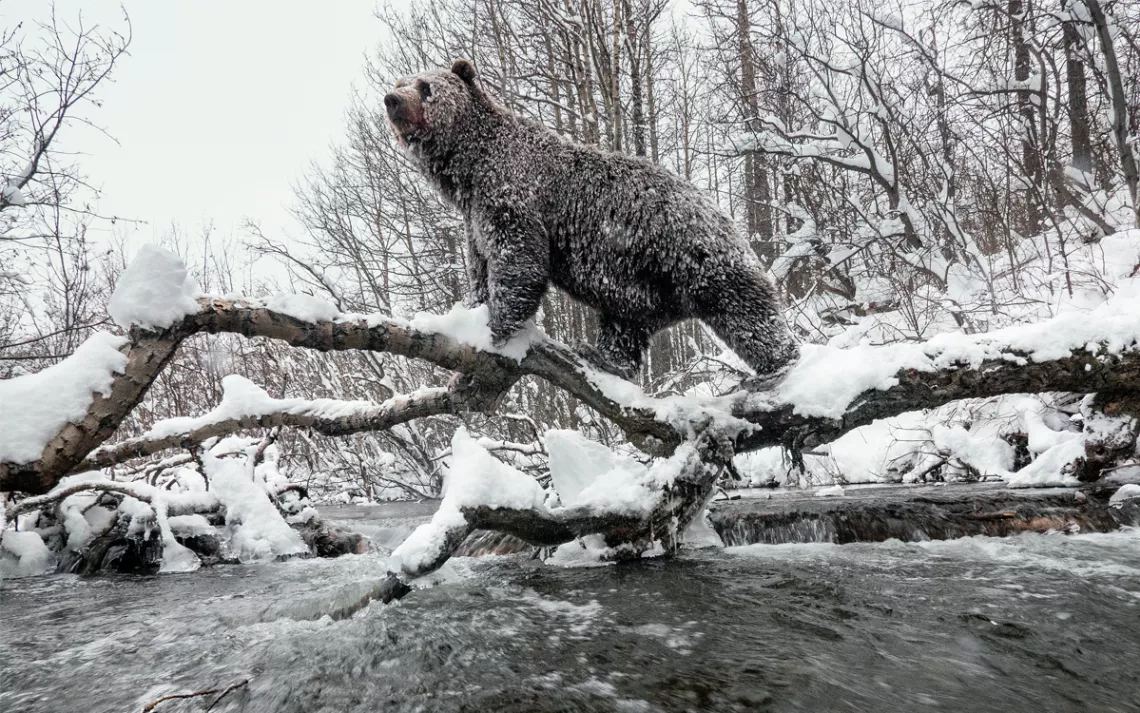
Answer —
1026 623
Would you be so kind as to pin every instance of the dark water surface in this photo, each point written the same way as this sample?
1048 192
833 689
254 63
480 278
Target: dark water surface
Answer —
1028 623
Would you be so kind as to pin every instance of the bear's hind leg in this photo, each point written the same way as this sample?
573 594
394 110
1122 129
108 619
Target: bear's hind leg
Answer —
745 313
620 346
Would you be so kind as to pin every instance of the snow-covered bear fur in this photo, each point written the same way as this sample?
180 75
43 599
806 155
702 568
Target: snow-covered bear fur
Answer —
620 234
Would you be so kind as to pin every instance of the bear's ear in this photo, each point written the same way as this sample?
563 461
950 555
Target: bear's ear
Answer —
465 69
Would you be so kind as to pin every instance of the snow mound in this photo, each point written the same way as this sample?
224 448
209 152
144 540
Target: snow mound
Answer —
577 464
23 554
154 291
474 478
588 474
34 407
257 530
1125 492
472 326
304 307
193 525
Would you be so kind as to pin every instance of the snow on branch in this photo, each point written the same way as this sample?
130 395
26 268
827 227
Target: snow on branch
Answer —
632 510
246 406
830 391
833 390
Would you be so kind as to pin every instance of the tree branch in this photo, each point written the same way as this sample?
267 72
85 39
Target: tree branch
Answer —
655 425
296 413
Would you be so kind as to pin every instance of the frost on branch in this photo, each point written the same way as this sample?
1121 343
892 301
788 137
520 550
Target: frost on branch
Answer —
154 291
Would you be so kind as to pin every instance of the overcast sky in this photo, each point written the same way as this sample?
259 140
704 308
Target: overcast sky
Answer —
220 106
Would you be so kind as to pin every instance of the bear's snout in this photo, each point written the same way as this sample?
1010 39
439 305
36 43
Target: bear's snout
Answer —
405 114
394 103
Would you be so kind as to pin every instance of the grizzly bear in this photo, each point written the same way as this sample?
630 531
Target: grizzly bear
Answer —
630 239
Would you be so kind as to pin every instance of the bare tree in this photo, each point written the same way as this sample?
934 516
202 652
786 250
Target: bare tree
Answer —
50 74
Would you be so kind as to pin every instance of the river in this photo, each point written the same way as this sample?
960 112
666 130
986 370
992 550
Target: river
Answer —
1025 623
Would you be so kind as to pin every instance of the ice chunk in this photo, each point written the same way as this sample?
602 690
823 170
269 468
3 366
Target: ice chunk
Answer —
700 532
154 291
191 525
177 557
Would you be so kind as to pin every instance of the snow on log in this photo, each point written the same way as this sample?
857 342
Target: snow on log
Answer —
35 407
830 392
142 500
633 509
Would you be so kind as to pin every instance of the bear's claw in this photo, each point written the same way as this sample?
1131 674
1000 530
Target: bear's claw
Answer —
598 360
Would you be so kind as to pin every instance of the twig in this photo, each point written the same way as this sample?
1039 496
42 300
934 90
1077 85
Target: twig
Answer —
224 691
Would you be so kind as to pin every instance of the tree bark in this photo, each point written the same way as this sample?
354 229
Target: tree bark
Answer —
757 191
1118 105
1078 103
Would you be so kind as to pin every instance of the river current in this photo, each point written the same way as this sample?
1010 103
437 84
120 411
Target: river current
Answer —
1026 623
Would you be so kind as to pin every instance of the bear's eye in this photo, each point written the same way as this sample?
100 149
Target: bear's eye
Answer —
425 91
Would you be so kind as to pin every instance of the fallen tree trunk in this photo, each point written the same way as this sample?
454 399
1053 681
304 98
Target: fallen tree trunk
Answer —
1101 372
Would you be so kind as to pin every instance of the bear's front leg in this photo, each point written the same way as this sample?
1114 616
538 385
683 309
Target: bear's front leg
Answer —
477 293
518 269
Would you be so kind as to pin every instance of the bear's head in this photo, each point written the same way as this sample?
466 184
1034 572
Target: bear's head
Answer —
428 104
